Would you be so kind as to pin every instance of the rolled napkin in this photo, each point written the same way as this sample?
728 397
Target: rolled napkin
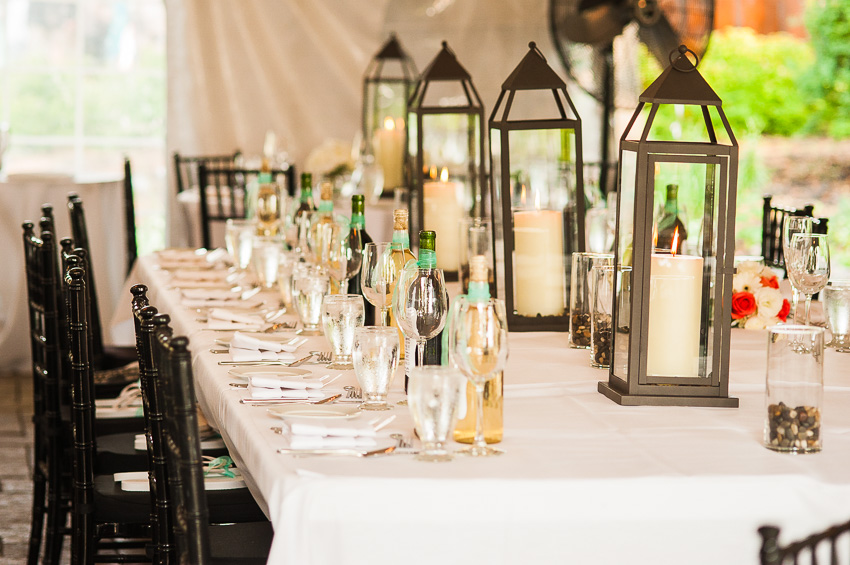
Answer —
262 393
272 381
244 341
210 294
243 355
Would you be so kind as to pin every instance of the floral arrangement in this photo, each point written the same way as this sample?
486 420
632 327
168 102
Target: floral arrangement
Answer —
756 300
331 159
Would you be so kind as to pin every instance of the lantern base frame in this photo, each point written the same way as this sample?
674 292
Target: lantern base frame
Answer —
658 400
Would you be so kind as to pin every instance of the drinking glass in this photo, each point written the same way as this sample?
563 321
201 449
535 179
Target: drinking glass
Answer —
836 306
309 287
376 352
434 395
582 263
807 264
288 260
478 345
476 238
421 305
341 314
379 275
343 259
238 240
792 225
265 258
794 391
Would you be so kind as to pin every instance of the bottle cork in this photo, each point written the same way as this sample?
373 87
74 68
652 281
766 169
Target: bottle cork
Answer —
400 219
478 269
326 190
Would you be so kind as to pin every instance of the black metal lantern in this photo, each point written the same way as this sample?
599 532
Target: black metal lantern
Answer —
387 86
446 155
675 245
538 194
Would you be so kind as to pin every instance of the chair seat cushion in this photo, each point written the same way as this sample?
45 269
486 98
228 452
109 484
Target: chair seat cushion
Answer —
242 544
116 453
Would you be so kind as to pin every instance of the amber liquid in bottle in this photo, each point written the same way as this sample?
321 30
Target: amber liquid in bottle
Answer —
400 257
268 207
493 388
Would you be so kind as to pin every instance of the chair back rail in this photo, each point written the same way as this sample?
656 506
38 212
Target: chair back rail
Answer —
186 167
773 218
772 553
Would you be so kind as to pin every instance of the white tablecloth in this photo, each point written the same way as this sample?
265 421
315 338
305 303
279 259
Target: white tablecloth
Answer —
583 480
21 198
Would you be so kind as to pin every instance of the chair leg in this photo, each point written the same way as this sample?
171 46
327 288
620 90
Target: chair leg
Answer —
55 531
39 492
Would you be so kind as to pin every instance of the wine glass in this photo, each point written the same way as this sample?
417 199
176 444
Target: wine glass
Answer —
421 304
309 286
379 276
792 225
808 265
478 345
343 259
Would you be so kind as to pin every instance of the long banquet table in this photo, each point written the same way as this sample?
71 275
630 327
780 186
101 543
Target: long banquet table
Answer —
583 480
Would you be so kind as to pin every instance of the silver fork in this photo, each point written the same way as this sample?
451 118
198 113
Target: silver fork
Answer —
353 392
322 357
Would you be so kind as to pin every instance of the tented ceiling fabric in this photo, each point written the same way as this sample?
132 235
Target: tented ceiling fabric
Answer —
238 68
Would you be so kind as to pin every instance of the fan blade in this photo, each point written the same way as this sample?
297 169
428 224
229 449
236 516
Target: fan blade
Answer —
592 22
660 38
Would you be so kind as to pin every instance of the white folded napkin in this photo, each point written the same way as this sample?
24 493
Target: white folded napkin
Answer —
224 325
319 442
216 255
243 355
183 283
200 303
193 255
229 316
261 393
244 341
200 276
210 294
272 381
326 428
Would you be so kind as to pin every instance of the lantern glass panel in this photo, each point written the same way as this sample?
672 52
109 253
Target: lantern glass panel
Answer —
545 232
625 248
388 100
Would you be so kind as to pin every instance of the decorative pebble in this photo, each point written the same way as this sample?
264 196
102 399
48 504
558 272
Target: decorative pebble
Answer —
794 429
580 328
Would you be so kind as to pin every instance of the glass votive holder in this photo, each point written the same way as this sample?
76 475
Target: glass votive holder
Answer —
582 263
836 307
239 241
476 238
601 324
341 315
434 396
794 389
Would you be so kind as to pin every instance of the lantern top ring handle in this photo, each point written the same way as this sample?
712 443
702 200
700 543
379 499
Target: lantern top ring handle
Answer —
680 52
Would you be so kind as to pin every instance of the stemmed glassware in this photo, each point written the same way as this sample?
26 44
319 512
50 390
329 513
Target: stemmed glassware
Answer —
341 315
478 345
343 259
808 265
379 276
792 225
421 305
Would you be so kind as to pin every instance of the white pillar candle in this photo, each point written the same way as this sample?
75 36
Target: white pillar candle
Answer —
539 276
675 298
443 214
389 148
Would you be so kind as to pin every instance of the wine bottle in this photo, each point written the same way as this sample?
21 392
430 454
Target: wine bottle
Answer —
401 254
305 209
479 291
269 203
669 223
428 260
325 212
359 237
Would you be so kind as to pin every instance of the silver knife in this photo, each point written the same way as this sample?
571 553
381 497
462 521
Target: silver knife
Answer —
273 401
272 362
348 452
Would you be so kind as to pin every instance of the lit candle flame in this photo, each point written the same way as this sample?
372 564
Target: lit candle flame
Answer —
537 200
444 175
389 123
433 172
675 245
655 236
522 195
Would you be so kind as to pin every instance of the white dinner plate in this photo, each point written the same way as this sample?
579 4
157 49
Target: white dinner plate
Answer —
242 373
314 411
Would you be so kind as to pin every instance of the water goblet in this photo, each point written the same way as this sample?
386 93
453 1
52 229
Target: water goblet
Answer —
836 306
288 260
343 259
265 259
379 275
376 353
238 240
478 345
341 315
808 266
309 287
434 396
790 226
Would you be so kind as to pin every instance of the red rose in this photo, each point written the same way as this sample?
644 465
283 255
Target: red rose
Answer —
770 281
743 305
783 312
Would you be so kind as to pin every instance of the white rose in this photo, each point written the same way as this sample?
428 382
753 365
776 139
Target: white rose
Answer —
330 155
749 267
746 282
769 301
755 323
768 272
